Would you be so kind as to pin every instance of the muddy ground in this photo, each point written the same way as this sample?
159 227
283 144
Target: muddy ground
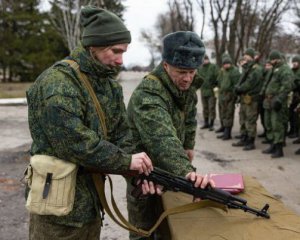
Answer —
278 176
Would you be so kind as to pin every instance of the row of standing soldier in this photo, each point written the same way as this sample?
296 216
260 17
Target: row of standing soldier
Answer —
261 91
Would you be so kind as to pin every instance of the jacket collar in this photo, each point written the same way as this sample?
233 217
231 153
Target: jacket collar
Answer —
178 95
90 66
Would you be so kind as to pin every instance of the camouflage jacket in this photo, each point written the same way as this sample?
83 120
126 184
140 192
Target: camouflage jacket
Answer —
278 85
209 73
297 80
227 79
162 120
251 80
63 123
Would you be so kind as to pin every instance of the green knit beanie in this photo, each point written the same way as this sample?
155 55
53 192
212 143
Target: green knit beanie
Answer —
183 49
102 28
296 59
250 52
275 54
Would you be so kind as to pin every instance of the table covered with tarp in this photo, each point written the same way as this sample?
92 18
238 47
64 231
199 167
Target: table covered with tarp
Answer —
215 224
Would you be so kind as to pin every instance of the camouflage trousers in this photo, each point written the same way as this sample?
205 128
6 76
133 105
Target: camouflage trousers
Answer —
40 229
209 107
226 109
248 118
276 122
142 212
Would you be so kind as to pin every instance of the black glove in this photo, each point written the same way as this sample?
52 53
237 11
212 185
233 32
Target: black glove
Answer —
276 105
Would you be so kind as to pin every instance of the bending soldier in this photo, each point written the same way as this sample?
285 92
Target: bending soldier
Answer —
162 117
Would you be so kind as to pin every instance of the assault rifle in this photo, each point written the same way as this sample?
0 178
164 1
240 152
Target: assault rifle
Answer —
179 184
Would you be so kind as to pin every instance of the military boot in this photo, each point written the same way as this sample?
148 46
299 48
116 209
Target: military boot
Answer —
239 136
262 135
220 136
270 149
211 125
205 125
227 133
249 144
296 141
242 141
266 141
278 152
220 129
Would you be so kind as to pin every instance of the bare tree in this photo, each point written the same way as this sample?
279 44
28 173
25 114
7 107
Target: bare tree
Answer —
248 23
202 8
65 16
178 18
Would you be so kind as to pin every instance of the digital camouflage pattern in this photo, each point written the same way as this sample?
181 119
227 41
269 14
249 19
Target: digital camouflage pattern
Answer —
250 85
63 123
276 89
227 79
209 73
41 229
163 124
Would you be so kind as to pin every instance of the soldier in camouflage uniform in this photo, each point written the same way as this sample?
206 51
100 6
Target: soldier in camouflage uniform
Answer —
209 73
276 89
266 71
248 88
296 70
64 123
227 79
293 116
162 117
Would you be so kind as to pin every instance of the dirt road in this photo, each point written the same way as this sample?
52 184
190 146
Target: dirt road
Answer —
278 176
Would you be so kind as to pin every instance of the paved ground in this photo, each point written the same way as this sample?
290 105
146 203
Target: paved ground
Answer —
280 176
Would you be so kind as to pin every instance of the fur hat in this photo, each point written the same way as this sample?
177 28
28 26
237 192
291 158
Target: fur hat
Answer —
183 49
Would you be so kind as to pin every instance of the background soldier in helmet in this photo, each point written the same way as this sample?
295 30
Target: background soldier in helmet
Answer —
276 89
248 88
227 79
296 70
209 72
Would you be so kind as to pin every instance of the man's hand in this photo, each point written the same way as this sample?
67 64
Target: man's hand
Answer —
150 188
142 163
200 181
190 153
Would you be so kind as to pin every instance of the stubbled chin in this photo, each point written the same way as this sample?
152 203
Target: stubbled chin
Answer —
184 88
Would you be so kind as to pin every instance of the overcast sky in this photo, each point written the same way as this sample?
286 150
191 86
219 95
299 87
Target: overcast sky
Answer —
140 14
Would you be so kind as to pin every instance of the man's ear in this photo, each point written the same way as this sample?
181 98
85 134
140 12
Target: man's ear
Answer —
165 65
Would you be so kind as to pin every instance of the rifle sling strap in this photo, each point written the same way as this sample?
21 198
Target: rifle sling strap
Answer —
100 183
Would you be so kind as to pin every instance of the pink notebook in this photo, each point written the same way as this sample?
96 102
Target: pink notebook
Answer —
230 182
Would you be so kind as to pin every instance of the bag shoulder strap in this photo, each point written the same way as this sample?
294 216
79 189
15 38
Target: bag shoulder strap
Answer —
73 64
152 77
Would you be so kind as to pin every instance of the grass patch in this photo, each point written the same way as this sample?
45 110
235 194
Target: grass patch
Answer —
14 90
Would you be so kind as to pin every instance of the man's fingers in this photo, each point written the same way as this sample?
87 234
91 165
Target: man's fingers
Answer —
151 187
198 181
204 181
148 162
